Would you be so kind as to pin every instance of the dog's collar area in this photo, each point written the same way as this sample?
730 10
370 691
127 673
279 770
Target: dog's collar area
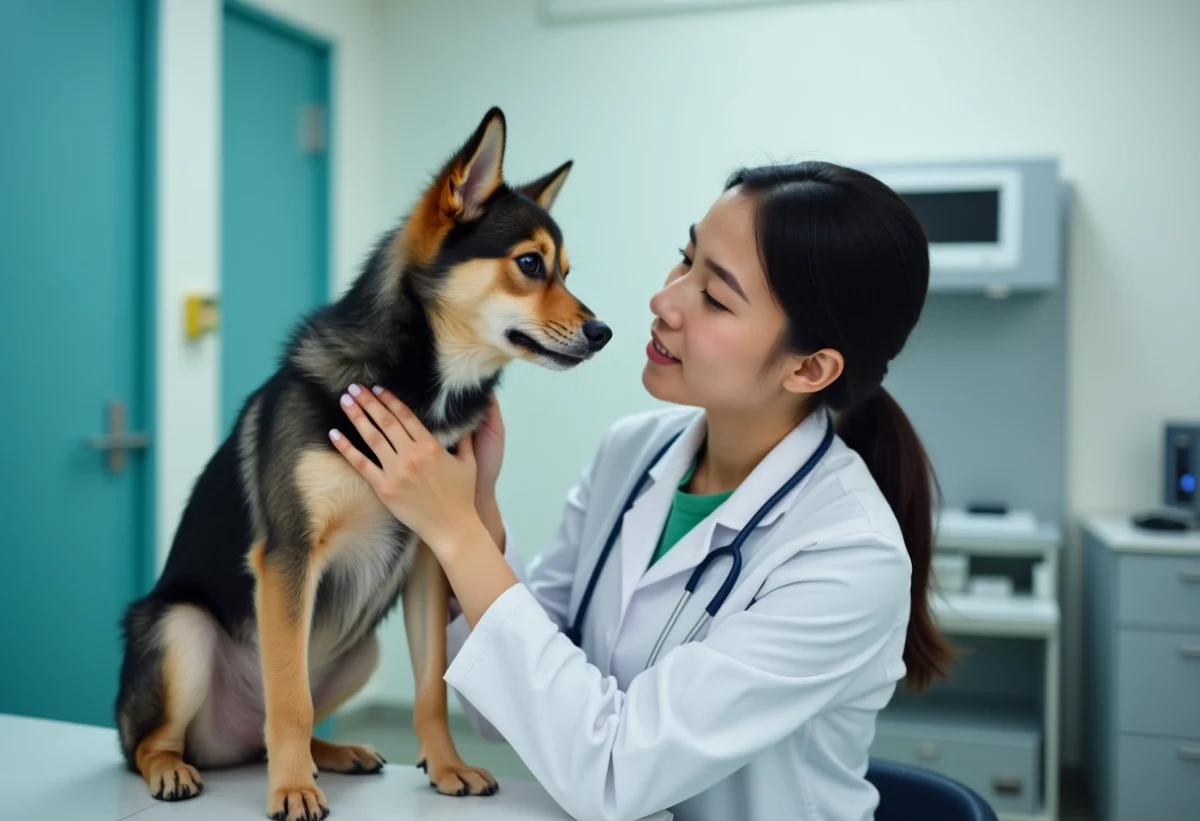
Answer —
530 344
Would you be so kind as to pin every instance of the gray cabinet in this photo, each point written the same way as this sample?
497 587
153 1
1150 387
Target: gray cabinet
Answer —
997 753
1143 668
993 724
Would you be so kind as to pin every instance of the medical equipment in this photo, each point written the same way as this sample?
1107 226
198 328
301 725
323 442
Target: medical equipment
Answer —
733 550
994 226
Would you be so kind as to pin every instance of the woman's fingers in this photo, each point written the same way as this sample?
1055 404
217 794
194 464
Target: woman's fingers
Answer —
401 411
396 433
379 444
366 468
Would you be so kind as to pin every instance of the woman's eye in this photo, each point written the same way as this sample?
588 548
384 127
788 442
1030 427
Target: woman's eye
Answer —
687 261
530 264
712 303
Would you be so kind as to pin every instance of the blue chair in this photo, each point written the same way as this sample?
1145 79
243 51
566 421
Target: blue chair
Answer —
908 793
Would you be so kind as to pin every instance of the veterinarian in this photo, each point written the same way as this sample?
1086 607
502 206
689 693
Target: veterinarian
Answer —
793 293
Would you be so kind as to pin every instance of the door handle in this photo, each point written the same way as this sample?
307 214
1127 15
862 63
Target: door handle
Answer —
117 442
1190 576
1191 651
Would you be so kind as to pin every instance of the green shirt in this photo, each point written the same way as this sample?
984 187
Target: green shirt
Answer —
687 511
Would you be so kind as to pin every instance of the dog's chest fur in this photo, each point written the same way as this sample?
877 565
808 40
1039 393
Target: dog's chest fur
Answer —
363 554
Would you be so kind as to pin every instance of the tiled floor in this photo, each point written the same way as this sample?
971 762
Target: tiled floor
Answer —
390 731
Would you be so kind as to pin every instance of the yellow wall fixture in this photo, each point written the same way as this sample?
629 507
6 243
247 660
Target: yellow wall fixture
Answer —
200 315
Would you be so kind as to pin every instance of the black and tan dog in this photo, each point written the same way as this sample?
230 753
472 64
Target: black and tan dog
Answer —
285 562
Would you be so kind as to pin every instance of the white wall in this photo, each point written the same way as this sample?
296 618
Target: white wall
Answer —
189 109
657 111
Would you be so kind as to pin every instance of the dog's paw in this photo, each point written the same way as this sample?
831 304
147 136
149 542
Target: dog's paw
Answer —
297 803
174 781
453 777
350 759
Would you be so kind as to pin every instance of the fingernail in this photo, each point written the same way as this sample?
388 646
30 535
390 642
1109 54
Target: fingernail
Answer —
334 435
354 390
347 400
377 390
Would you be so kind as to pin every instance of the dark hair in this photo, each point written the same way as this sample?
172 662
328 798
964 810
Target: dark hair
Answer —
848 261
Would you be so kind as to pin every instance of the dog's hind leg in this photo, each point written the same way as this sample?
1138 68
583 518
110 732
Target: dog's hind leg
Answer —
286 588
167 678
426 605
353 671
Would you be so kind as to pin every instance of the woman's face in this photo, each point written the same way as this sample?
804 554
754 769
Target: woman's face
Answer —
718 320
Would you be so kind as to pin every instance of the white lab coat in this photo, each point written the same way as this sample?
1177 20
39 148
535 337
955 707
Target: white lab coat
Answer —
769 713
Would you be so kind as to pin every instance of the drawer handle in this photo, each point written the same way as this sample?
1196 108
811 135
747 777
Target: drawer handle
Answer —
1189 753
1006 786
1190 576
1190 651
927 751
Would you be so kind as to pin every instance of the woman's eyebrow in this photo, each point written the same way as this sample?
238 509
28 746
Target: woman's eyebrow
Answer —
723 273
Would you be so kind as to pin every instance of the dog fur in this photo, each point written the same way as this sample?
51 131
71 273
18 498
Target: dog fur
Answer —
284 562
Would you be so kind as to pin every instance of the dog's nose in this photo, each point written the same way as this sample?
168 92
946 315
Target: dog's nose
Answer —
597 334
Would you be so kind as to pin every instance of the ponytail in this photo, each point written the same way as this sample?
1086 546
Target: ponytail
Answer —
880 432
847 259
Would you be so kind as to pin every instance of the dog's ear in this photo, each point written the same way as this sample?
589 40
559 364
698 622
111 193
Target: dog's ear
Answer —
459 191
477 170
544 190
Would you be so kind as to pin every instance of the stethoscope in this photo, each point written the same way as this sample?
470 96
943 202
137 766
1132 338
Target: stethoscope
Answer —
733 550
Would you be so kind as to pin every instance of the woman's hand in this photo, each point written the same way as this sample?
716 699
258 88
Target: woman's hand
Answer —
427 488
430 490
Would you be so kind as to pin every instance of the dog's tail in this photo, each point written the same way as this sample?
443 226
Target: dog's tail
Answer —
140 703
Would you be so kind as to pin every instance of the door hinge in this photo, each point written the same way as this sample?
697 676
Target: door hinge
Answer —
312 129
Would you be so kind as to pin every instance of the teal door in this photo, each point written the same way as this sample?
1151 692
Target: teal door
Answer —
74 518
274 222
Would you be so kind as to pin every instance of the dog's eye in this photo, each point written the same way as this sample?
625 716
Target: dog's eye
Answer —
530 264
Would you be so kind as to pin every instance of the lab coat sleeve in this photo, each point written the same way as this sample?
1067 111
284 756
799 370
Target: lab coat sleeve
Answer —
457 632
813 639
548 579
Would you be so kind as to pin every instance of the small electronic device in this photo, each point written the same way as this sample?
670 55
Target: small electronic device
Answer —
1180 509
987 508
1181 446
1161 520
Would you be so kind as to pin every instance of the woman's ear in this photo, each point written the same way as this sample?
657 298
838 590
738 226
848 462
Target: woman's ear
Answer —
810 373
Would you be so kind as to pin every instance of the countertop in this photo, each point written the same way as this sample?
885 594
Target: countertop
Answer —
55 770
1119 534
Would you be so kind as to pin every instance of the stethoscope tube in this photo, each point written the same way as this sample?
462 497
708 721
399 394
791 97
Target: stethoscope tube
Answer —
733 550
575 631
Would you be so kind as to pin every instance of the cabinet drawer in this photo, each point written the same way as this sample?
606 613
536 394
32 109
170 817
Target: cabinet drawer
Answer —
1004 768
1161 591
1159 779
1158 683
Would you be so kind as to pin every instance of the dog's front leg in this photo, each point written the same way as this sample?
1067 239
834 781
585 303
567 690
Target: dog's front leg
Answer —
426 605
285 592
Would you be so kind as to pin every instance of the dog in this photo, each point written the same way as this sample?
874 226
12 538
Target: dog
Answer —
284 561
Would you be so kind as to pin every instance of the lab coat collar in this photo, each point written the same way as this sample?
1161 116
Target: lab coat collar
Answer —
645 521
771 473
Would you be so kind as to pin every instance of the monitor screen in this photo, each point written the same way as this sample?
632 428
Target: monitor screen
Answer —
958 216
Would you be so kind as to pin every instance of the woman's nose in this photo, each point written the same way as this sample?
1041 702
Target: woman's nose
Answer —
663 306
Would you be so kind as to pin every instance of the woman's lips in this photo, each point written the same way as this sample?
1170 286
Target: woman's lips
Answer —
657 353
